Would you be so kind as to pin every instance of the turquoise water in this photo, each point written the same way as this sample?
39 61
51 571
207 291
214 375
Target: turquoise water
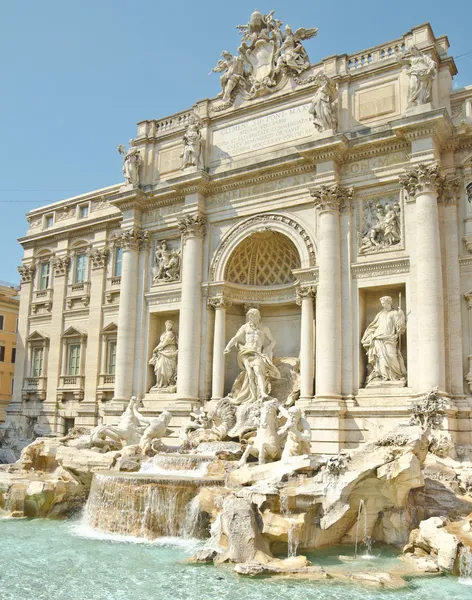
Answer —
51 560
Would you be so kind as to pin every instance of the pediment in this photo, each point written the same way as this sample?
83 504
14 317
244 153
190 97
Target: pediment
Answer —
74 332
37 336
110 328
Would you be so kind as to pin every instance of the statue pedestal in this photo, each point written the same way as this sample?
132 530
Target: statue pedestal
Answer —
416 110
327 133
399 383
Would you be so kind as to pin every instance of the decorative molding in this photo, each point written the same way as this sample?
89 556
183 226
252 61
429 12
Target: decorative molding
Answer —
98 257
422 179
60 265
332 198
192 226
153 299
132 239
27 273
66 212
450 191
219 302
305 291
380 269
264 219
248 305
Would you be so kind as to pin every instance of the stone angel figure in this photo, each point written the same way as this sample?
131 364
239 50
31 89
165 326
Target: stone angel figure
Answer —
232 68
322 106
292 54
421 71
131 163
192 153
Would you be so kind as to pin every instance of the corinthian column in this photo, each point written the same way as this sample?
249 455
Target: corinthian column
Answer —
131 242
305 296
423 184
328 303
193 230
219 343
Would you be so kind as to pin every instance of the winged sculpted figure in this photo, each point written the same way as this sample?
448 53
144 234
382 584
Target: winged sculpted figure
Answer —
267 57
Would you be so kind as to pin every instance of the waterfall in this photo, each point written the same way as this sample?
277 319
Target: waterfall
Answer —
366 539
144 506
293 534
465 566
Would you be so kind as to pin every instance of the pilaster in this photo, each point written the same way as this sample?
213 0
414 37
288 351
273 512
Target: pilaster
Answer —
220 305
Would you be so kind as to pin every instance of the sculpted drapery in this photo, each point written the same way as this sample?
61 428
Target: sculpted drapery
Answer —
381 342
164 360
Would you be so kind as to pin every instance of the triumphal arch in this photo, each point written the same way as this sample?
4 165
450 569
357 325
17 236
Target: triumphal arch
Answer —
304 235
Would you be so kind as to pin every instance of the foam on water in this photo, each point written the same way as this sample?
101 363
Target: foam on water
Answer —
149 468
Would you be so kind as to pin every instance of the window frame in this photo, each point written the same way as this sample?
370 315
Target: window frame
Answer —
79 255
2 322
44 263
118 260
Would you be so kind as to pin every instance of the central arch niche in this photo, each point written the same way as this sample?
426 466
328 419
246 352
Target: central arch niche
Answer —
260 270
265 258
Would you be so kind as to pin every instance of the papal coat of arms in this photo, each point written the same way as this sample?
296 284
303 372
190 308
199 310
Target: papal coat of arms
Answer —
267 57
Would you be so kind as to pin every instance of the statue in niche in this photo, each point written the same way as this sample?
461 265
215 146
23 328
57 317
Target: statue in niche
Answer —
164 361
166 265
322 106
381 341
255 346
131 164
421 72
382 227
296 432
192 154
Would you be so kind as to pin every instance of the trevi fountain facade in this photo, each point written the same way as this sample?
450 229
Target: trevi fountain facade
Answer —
265 332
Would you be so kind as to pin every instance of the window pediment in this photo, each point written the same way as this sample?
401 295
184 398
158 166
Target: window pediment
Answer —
74 333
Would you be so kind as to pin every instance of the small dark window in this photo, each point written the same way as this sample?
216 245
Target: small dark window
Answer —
2 353
68 424
2 322
13 355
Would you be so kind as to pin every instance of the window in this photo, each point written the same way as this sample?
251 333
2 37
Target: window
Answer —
80 267
12 383
2 353
13 355
37 362
48 221
44 270
2 322
118 261
69 423
16 330
74 359
83 211
111 358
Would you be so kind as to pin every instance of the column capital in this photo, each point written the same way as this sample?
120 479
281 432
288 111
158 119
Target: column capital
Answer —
132 239
421 179
60 265
192 225
305 291
450 191
218 302
98 257
332 197
468 297
27 273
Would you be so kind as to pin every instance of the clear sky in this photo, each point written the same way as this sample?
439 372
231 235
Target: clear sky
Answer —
78 75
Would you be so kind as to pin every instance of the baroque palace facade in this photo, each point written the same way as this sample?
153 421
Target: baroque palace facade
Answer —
306 191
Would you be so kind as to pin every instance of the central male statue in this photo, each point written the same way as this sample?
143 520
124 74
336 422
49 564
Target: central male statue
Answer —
255 345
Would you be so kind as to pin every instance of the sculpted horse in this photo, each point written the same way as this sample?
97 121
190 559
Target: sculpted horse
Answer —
266 444
127 432
154 432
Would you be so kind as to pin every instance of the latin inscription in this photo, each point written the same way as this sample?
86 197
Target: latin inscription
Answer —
277 128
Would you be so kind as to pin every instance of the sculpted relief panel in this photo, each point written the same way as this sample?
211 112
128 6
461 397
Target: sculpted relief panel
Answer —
380 225
166 262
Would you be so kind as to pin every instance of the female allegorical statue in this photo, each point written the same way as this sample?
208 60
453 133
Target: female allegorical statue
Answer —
164 360
381 342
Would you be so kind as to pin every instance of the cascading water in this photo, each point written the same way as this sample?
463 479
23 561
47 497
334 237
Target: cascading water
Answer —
144 506
465 566
293 534
366 539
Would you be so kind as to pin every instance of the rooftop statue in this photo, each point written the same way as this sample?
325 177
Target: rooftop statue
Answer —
192 153
131 163
267 58
421 71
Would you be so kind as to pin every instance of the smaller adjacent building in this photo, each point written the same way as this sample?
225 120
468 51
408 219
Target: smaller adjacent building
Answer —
9 307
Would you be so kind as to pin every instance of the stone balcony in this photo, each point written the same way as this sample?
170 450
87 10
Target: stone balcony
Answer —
34 387
78 294
112 289
42 301
71 384
106 387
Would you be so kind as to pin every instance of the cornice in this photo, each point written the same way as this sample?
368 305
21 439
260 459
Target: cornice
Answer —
77 228
435 124
394 266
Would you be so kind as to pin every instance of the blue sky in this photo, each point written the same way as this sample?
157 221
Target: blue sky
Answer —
78 75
